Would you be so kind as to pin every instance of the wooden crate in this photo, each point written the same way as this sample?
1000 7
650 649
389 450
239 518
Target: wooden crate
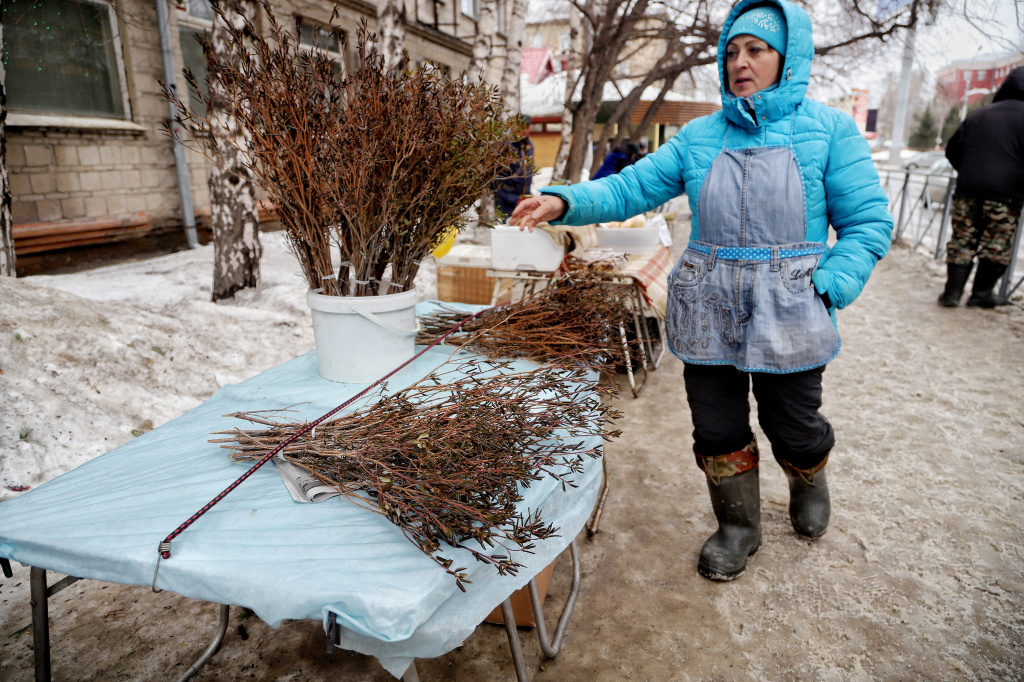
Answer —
522 607
464 284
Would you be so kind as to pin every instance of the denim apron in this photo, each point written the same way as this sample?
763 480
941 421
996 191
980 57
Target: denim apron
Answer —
742 295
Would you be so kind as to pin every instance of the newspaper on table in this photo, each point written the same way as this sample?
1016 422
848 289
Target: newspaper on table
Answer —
301 483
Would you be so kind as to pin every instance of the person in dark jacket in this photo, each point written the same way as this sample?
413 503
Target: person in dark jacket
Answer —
987 150
509 189
616 160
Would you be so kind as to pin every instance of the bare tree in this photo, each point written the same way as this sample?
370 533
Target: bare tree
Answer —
6 235
479 68
572 78
688 32
236 243
391 30
612 25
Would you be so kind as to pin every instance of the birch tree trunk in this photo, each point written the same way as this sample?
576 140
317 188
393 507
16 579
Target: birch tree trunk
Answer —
479 68
572 77
391 30
6 236
483 42
513 56
236 243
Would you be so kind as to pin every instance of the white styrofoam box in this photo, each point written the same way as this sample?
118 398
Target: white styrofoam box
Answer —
512 249
468 255
629 239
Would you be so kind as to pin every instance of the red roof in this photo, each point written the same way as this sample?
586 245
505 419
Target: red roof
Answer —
537 63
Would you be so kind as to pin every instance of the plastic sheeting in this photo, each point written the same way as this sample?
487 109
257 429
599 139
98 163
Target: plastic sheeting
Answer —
259 549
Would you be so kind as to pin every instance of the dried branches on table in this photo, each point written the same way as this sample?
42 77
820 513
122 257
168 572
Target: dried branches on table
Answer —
376 165
444 459
579 315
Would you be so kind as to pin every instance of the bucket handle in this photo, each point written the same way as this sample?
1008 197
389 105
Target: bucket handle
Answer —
387 325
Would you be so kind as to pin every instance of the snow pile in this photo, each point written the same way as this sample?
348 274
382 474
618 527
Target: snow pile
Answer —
93 359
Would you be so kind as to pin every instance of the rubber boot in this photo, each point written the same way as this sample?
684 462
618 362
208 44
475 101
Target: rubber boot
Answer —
737 503
956 279
810 506
982 295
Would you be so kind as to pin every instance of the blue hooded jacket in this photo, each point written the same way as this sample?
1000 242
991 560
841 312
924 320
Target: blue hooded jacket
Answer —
840 182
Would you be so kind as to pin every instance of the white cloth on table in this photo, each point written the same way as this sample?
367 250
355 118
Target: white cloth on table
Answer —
259 549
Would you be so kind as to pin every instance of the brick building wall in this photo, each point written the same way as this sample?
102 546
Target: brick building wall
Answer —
71 171
982 76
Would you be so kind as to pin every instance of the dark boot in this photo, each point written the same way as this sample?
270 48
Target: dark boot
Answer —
956 279
736 498
982 295
809 504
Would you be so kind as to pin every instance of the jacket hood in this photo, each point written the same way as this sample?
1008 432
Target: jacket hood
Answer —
1012 87
778 101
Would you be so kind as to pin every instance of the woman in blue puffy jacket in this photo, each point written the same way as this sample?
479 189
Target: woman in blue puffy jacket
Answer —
752 300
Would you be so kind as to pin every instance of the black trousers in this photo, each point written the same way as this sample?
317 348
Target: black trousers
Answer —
787 410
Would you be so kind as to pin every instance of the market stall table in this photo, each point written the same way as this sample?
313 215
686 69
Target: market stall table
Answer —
257 548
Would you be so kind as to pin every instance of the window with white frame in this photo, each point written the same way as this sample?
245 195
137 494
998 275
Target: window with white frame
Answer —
469 8
981 74
195 21
320 38
200 9
564 42
63 57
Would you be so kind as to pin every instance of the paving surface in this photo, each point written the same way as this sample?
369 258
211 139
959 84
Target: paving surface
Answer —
921 575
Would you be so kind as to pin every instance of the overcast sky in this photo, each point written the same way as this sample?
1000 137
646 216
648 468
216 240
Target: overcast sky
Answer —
951 38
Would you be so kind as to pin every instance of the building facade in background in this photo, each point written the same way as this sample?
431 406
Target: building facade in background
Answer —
88 158
545 59
968 81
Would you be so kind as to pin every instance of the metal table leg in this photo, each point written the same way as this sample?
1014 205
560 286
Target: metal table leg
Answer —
595 518
222 627
551 648
39 600
513 640
40 624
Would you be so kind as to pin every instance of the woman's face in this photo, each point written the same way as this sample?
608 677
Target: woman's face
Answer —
751 65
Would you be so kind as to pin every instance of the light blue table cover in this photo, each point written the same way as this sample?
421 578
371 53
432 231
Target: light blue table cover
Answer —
259 549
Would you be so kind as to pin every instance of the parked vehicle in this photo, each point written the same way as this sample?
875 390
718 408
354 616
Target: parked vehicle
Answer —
937 185
924 159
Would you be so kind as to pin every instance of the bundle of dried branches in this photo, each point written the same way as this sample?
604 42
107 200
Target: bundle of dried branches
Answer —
444 459
380 163
578 315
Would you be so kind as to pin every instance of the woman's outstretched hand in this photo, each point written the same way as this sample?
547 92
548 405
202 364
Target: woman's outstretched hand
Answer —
529 212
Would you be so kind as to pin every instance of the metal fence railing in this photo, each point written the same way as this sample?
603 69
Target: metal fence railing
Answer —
920 203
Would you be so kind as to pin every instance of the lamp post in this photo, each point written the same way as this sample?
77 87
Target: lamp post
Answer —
967 89
967 84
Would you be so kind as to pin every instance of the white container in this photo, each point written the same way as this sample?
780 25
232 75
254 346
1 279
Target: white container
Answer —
515 249
359 339
629 239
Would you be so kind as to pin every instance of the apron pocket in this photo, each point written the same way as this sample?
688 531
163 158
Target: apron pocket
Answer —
703 317
796 273
690 270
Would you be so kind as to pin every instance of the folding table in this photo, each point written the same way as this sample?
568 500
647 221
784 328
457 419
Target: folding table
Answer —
352 569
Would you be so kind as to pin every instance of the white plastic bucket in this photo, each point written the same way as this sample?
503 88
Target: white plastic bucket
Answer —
359 339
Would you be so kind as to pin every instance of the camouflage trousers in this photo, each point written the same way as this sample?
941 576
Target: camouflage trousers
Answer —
981 228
